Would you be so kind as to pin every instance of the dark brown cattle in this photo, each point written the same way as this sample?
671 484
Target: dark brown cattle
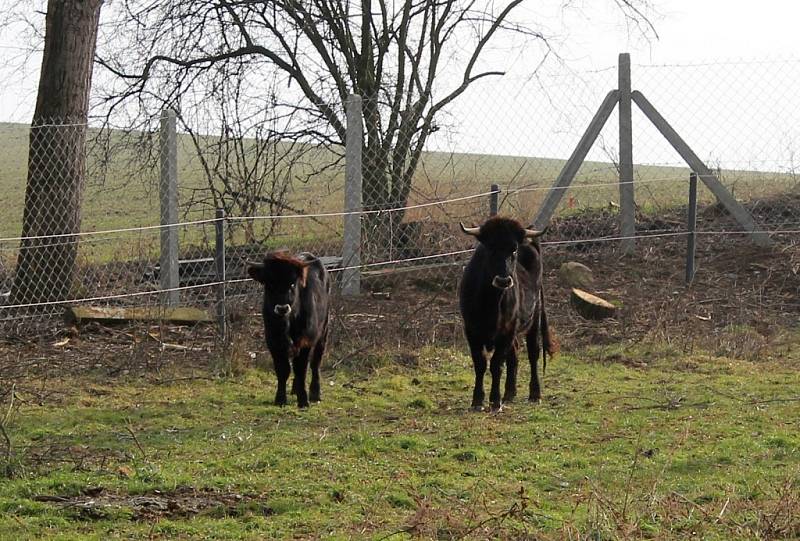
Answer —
500 297
295 313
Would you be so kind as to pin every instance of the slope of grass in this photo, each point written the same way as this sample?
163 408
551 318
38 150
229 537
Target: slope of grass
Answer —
118 201
666 447
127 196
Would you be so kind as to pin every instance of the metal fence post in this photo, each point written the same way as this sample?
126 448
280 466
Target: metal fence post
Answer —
168 190
627 205
219 261
494 199
351 248
691 226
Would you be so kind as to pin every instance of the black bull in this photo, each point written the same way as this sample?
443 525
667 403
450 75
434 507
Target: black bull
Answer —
295 314
501 297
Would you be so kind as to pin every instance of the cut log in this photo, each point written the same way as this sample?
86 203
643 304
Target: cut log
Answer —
78 315
590 306
574 274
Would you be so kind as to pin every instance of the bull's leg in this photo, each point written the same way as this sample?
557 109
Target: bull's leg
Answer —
511 373
300 366
282 370
479 364
532 340
316 360
501 348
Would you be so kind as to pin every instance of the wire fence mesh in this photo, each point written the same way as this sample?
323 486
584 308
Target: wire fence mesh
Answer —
516 135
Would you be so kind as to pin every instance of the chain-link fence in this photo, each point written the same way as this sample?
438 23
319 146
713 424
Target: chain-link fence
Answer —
517 135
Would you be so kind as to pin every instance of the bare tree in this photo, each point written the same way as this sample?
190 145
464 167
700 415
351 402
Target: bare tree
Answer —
56 156
408 60
247 152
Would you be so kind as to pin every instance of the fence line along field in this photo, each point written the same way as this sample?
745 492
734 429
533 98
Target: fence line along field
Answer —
118 197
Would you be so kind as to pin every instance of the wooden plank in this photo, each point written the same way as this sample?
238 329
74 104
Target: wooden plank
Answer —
575 161
331 261
627 205
413 268
78 315
203 270
722 194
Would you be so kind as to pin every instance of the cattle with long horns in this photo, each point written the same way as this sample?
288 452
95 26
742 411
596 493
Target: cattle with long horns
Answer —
501 298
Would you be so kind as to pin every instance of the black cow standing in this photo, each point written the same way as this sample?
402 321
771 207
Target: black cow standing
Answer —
295 312
500 297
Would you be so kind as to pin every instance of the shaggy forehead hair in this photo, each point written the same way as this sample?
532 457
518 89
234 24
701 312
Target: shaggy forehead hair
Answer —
499 228
283 261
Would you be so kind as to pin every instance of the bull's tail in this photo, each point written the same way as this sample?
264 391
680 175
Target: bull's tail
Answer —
550 344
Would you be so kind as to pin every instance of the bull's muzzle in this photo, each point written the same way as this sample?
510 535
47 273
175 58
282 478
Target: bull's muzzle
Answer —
282 310
503 282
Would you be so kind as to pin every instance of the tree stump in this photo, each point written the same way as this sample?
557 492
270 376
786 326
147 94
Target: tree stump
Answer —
591 306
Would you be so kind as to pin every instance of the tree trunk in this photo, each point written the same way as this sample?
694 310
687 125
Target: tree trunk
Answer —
379 229
57 154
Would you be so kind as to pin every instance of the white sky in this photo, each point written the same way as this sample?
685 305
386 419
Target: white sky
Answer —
589 35
689 31
732 95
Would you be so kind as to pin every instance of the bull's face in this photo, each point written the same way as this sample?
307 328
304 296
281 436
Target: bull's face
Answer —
502 243
503 263
282 281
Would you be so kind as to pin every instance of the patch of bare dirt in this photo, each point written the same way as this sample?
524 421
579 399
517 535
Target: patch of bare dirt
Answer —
743 298
98 503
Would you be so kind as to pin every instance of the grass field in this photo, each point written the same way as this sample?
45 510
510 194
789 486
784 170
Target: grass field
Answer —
128 196
629 443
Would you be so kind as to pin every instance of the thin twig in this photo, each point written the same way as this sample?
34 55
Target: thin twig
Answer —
136 440
690 502
186 378
722 511
5 421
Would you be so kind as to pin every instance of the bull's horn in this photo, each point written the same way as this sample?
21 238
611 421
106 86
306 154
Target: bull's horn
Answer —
469 230
533 234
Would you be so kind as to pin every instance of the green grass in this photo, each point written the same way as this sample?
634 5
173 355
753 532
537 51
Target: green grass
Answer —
700 447
128 195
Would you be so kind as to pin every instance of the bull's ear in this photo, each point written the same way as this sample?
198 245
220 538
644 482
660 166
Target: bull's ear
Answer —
534 234
256 271
304 276
473 231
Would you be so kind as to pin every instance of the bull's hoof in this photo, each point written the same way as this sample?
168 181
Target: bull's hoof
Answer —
315 398
509 398
534 399
303 404
280 401
476 408
497 408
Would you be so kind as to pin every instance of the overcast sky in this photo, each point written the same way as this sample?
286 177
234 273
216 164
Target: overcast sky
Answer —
724 73
689 31
588 34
